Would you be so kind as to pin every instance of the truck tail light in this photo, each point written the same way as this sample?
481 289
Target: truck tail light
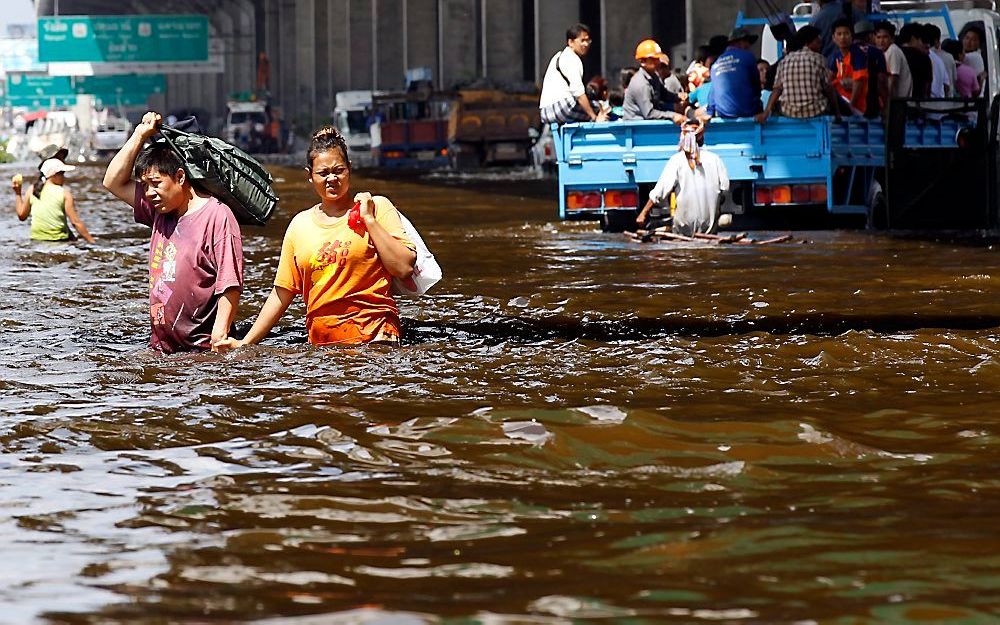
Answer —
579 200
817 193
621 199
762 196
781 194
800 194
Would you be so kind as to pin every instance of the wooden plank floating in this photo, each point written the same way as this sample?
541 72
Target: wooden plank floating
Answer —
664 235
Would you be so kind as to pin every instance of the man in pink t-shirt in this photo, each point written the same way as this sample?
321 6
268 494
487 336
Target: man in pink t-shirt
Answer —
195 251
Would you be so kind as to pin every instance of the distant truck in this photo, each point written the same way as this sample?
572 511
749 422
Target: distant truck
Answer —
351 115
247 125
412 128
491 127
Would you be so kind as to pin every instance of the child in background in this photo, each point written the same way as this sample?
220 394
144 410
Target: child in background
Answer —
51 207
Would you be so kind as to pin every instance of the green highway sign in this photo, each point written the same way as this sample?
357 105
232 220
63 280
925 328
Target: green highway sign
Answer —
142 84
34 86
123 38
40 102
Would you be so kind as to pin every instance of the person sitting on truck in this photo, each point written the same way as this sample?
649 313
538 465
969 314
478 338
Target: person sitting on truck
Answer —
849 65
645 91
697 178
564 98
341 255
918 59
878 83
735 79
830 11
966 81
900 81
802 85
941 83
698 70
972 38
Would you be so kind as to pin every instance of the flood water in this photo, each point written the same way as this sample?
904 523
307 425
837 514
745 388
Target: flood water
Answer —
577 427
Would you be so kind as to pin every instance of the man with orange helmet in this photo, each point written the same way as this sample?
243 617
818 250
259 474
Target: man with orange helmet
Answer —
645 90
564 98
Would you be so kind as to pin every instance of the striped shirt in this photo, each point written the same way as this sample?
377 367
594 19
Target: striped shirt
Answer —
803 78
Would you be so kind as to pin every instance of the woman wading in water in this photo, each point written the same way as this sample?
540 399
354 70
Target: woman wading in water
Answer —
51 205
341 255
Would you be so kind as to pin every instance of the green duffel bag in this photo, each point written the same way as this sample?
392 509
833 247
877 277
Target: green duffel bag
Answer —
227 173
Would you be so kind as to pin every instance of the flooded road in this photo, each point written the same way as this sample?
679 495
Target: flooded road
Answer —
578 427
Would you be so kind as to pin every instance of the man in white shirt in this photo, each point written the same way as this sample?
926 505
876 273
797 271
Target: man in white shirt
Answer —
900 79
941 81
564 98
698 178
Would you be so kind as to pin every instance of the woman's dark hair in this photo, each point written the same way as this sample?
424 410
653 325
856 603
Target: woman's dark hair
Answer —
323 140
952 47
597 88
888 27
574 31
702 53
626 76
616 97
159 157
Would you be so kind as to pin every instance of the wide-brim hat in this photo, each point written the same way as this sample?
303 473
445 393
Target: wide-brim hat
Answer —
739 34
53 151
54 166
863 27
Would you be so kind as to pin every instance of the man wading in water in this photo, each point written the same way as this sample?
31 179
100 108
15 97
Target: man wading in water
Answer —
195 252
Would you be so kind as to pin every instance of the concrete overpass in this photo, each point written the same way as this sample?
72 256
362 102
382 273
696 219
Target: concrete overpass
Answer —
319 47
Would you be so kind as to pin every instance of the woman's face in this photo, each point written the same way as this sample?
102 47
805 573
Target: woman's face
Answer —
59 178
330 176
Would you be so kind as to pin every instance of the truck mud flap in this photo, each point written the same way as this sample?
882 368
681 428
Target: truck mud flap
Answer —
940 166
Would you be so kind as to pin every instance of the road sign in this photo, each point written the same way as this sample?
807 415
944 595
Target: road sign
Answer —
123 38
216 64
144 85
38 86
40 102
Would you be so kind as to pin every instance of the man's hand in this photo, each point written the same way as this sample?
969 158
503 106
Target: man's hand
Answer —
761 117
149 125
366 206
602 116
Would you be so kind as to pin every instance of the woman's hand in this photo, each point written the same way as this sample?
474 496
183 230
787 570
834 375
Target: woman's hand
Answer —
227 344
366 206
16 182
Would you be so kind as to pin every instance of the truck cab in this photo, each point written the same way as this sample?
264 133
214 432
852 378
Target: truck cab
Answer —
350 115
247 124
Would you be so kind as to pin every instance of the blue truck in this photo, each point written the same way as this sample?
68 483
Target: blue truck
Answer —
899 173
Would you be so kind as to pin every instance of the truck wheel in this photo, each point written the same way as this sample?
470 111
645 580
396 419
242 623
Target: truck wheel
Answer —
878 208
618 221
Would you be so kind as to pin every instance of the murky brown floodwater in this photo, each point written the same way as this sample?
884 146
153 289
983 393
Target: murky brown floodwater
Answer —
578 427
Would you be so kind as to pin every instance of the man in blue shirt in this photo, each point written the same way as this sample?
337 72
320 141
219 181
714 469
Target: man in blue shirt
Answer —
735 79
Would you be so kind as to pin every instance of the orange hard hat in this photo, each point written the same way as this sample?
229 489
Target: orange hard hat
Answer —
646 49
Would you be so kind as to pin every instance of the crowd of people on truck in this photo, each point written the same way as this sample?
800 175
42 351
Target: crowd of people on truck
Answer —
841 64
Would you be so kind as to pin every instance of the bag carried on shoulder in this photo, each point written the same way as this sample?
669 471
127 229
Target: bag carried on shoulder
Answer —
227 173
426 271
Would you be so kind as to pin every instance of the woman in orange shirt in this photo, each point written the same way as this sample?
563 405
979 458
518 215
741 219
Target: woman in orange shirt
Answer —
341 255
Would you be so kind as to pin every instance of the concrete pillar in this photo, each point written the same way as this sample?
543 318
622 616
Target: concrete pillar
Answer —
284 72
305 63
552 18
422 41
324 89
627 22
389 26
458 34
339 45
505 44
272 43
361 44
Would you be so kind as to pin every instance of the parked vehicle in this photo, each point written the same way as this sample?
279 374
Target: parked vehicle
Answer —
111 134
247 125
899 175
489 126
351 116
412 129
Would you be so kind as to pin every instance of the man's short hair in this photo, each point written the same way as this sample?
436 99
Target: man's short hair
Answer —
576 30
952 47
909 32
888 27
157 157
931 34
807 35
842 22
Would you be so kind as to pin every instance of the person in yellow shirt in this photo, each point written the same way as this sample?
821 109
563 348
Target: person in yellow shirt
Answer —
52 208
341 255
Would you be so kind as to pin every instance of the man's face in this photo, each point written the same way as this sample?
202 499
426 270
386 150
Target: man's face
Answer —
762 69
580 45
166 193
883 40
842 37
650 64
970 41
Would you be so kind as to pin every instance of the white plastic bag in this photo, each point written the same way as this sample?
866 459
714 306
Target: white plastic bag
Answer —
426 271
